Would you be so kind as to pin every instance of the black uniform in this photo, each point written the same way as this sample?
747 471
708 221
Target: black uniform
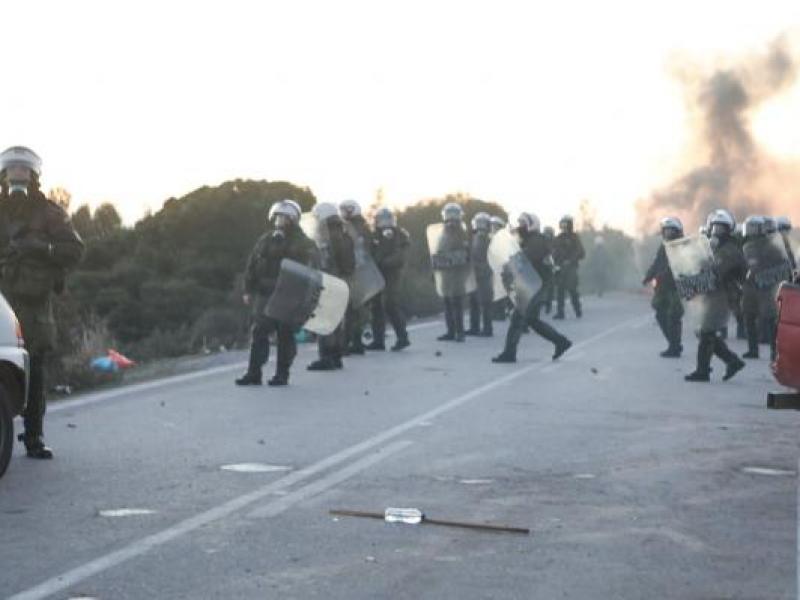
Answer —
390 250
567 253
38 246
260 278
537 250
480 301
666 302
731 268
356 317
455 242
337 260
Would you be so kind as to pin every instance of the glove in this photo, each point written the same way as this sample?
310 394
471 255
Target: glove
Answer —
31 248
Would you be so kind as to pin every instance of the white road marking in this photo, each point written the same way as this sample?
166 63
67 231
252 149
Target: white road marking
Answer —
768 471
126 512
142 546
320 485
255 468
475 481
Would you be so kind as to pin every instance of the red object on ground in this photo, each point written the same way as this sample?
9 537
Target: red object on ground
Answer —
122 361
786 367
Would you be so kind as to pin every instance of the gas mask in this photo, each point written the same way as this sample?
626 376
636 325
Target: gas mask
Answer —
670 233
19 178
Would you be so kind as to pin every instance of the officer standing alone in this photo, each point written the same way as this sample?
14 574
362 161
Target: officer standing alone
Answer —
38 245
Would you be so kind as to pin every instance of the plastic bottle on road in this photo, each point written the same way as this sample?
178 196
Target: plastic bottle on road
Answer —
412 516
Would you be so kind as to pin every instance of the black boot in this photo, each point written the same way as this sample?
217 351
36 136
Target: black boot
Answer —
357 349
505 357
732 368
447 337
400 344
324 364
561 346
559 315
472 331
34 446
671 352
249 379
280 378
375 345
698 376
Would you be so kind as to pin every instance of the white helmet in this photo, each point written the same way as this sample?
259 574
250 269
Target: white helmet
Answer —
784 223
481 221
325 210
452 212
528 220
753 225
349 209
288 208
673 222
385 218
22 157
496 223
770 225
722 217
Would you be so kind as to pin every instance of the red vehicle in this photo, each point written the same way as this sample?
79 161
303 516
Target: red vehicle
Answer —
786 367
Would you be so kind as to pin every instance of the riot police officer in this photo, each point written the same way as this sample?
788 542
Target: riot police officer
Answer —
784 228
283 239
390 249
480 301
337 258
731 269
350 212
666 301
567 253
450 261
550 294
38 245
537 250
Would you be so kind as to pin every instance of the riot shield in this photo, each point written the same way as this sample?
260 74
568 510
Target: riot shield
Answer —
704 299
309 298
452 270
367 280
521 280
318 232
768 261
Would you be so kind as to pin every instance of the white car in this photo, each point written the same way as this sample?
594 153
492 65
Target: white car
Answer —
14 377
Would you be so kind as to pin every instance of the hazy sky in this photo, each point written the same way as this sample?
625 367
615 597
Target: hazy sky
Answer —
532 104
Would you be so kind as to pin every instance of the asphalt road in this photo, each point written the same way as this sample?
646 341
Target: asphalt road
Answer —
634 483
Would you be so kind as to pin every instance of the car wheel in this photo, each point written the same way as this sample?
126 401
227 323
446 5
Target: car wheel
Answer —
6 431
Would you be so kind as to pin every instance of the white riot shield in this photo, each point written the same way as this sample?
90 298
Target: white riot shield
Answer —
704 299
318 232
309 298
367 280
452 270
521 281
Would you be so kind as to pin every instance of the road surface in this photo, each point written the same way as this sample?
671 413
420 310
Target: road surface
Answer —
634 484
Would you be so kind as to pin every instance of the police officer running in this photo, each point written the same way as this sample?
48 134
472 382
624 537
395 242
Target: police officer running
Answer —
537 250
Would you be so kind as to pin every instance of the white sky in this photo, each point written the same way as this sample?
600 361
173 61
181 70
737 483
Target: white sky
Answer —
532 104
